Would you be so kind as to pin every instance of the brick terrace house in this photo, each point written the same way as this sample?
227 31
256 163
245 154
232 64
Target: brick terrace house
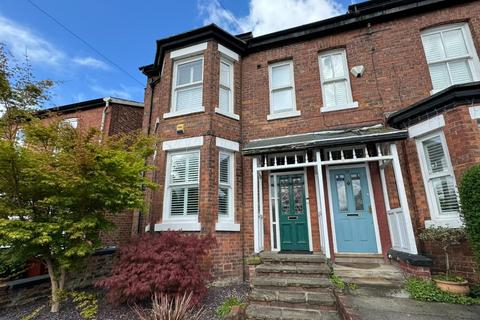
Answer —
346 136
110 116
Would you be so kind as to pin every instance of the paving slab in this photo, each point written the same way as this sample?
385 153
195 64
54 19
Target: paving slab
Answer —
389 308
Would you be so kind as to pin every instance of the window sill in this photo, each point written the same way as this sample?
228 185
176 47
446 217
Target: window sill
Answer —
453 222
182 113
283 115
227 114
352 105
178 226
227 226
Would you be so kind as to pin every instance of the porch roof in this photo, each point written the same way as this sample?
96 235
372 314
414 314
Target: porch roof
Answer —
356 135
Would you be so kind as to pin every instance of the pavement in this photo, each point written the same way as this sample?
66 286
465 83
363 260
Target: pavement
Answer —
390 308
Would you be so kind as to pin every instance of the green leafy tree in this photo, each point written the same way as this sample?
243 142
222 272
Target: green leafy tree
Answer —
470 206
57 185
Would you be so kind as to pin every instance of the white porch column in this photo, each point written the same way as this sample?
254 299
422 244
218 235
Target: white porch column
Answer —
403 199
256 224
320 193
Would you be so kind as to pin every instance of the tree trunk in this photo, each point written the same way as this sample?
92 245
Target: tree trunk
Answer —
55 287
447 263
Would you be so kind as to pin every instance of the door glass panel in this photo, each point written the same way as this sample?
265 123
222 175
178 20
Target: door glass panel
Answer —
357 191
284 196
298 195
342 192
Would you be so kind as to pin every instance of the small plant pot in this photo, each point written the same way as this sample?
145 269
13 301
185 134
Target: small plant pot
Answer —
455 287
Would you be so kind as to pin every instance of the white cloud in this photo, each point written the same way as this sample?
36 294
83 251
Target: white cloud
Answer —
122 91
90 62
266 16
22 41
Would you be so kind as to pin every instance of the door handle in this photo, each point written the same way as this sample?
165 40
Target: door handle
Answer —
370 208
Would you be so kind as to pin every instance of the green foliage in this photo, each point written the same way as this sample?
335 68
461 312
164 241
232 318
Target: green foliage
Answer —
11 267
470 206
337 281
86 303
224 309
352 286
254 260
475 291
423 290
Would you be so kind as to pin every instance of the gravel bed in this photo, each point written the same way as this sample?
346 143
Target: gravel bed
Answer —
214 298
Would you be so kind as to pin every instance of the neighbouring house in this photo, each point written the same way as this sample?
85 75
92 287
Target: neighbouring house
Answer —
345 136
110 116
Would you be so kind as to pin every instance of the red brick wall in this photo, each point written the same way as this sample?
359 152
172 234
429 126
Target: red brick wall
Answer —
124 119
396 76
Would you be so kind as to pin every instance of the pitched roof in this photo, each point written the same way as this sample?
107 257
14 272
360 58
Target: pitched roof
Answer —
88 104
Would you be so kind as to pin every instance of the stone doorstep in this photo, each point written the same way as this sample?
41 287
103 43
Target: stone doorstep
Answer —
309 298
291 282
359 258
269 312
293 258
320 269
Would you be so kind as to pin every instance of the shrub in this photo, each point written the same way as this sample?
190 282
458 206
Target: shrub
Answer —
470 206
169 263
424 290
178 308
11 267
444 237
224 309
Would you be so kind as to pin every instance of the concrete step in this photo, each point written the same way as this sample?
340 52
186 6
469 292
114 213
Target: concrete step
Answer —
311 270
292 283
293 299
255 311
352 258
289 258
382 275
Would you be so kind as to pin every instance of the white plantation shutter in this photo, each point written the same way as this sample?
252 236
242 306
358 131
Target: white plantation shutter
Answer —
282 96
183 184
226 86
225 189
188 85
440 176
334 76
449 55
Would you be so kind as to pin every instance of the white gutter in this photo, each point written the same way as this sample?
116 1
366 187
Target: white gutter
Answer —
104 116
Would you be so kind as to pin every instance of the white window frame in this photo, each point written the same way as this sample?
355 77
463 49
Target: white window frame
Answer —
437 219
167 217
230 217
472 56
173 111
70 122
231 103
286 114
351 104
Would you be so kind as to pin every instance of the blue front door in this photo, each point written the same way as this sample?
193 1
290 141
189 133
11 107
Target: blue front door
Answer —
352 211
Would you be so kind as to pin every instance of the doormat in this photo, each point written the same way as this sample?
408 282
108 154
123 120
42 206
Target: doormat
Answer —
295 252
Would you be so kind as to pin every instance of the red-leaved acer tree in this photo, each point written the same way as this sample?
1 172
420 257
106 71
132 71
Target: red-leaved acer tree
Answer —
167 263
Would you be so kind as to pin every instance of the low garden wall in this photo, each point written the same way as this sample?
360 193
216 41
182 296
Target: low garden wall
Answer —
23 291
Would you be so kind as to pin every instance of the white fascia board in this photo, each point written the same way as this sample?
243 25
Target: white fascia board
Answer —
426 126
188 51
227 144
182 143
228 53
475 112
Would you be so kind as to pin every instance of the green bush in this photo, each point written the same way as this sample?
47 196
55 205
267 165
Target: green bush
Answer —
11 268
224 309
423 290
470 206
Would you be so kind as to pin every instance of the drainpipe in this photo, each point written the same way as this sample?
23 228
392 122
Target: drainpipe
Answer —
104 116
152 85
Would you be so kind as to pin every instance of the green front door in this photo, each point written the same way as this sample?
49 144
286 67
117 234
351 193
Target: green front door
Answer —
293 213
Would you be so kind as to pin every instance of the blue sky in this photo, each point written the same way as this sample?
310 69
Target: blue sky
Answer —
125 32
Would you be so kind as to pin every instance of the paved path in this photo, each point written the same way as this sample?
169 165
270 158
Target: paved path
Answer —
374 308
